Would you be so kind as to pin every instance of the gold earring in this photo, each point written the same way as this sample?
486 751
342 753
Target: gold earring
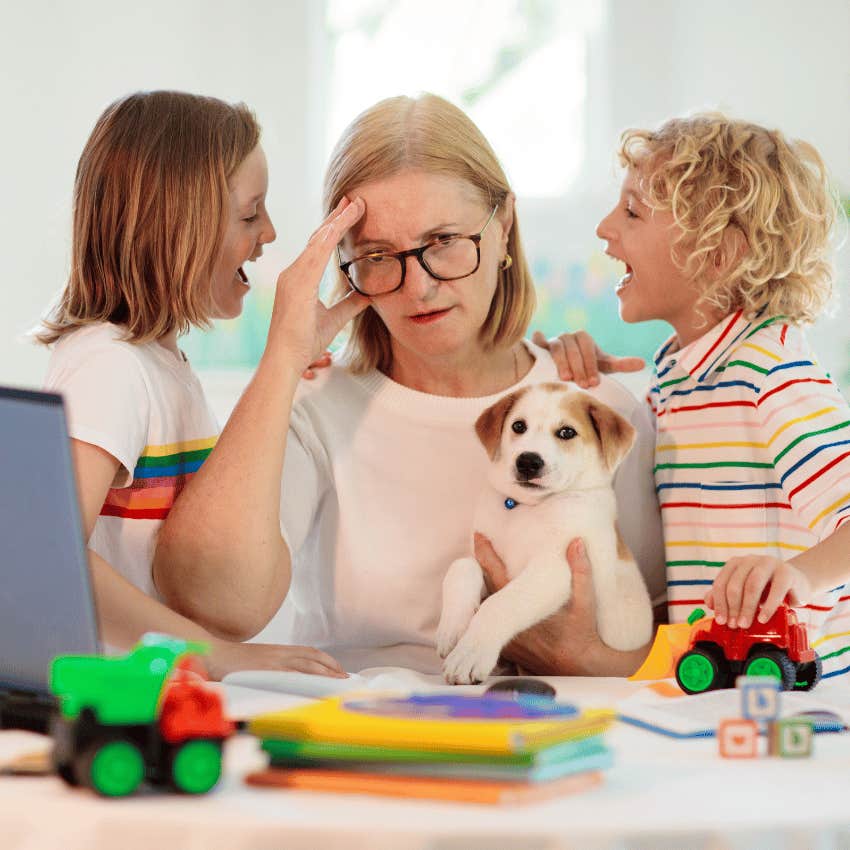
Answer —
506 263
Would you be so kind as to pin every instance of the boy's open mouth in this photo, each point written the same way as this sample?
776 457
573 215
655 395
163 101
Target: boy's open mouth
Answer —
625 280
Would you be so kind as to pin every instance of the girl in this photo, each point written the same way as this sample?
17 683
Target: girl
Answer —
169 206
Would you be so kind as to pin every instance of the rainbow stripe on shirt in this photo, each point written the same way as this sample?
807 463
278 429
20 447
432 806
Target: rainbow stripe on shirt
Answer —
160 474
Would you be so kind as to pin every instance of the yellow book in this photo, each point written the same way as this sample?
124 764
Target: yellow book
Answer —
444 722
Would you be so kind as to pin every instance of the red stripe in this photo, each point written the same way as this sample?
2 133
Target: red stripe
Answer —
699 602
707 406
718 341
838 525
720 507
138 513
782 335
795 381
818 474
818 607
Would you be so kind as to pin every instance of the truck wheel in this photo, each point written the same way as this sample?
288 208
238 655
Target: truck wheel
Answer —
808 674
702 669
114 767
196 766
770 661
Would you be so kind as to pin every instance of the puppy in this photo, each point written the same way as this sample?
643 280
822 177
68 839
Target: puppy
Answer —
553 453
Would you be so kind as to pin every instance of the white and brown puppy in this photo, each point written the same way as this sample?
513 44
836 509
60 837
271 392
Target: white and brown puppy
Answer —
553 451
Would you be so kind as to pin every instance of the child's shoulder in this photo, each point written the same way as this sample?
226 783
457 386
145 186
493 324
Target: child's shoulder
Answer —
769 345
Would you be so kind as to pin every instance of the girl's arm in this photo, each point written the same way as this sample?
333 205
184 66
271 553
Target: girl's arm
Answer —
125 613
221 558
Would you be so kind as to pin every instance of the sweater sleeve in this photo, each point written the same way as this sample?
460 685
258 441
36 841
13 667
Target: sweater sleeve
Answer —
306 479
106 399
805 424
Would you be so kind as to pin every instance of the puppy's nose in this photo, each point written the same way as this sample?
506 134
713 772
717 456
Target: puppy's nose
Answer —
529 464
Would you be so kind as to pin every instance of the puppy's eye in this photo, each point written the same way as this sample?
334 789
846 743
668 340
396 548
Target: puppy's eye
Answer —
519 427
565 433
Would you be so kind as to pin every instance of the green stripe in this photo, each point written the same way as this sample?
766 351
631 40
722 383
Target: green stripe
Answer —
766 323
806 436
746 364
833 654
695 563
719 464
172 460
674 381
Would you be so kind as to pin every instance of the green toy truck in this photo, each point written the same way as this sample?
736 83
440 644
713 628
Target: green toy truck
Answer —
150 715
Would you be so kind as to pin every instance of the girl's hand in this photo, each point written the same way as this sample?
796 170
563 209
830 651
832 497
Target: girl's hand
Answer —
301 325
580 359
738 589
229 656
559 643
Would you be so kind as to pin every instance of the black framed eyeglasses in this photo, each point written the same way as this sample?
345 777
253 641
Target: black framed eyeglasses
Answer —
444 258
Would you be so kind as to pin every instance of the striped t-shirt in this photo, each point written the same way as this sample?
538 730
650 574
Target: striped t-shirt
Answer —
752 458
145 407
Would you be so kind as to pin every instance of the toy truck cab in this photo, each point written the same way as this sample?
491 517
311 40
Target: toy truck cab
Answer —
149 715
717 654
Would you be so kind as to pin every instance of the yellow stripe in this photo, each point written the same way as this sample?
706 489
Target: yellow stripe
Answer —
825 638
761 350
831 508
174 448
713 545
671 446
801 419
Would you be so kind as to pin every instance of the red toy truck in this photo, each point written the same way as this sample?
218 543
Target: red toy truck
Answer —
716 654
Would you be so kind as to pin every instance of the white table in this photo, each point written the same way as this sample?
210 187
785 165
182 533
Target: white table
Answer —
661 793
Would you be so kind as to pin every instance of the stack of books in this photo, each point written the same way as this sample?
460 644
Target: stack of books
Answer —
484 749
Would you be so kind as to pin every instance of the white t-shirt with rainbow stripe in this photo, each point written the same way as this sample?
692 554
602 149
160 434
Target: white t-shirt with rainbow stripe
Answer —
147 409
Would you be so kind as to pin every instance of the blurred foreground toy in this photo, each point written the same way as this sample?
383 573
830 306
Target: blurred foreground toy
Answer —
150 715
704 655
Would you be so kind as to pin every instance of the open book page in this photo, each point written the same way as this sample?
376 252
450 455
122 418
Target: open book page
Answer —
662 707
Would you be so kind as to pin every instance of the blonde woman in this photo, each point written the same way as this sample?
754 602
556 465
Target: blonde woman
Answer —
169 206
329 513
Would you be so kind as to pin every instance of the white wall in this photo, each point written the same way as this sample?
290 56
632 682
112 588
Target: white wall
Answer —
61 63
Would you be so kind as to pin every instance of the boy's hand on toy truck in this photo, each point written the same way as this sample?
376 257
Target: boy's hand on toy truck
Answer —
740 585
579 359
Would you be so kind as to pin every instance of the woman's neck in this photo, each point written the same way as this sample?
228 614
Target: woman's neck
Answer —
471 375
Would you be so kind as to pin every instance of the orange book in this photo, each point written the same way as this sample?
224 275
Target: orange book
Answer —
459 790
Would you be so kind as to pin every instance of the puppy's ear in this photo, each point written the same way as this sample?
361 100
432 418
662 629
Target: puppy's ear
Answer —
489 424
614 433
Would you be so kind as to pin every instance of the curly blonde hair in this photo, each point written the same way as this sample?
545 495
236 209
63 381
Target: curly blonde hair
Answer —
714 173
429 134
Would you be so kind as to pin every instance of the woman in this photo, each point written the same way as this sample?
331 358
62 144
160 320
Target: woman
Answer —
382 465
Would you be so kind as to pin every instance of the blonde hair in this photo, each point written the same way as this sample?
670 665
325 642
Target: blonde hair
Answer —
715 173
149 214
429 134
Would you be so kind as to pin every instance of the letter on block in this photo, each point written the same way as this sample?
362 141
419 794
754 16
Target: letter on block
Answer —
738 738
790 738
760 697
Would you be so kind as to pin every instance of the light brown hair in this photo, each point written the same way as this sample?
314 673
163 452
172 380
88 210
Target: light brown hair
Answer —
149 213
716 175
429 134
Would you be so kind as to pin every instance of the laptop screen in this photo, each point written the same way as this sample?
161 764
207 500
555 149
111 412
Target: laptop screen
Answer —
46 603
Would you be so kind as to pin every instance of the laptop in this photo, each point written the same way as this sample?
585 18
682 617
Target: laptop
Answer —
46 600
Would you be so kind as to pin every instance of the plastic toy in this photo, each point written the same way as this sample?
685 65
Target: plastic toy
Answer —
150 715
717 654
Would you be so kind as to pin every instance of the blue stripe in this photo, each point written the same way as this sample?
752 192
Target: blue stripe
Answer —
723 353
682 581
168 471
721 384
790 365
725 487
810 455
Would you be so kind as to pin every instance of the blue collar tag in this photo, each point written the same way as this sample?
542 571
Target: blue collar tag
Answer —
510 503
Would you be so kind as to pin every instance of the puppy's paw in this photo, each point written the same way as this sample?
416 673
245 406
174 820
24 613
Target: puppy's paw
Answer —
454 621
471 661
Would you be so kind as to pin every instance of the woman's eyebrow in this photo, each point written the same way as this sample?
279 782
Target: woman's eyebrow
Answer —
364 240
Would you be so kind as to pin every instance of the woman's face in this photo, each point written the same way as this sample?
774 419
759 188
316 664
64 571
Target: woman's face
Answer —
248 229
427 317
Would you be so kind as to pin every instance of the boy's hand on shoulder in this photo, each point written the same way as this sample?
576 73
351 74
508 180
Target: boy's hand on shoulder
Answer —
736 594
579 359
229 656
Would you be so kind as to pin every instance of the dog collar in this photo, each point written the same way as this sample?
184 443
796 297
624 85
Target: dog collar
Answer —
510 503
